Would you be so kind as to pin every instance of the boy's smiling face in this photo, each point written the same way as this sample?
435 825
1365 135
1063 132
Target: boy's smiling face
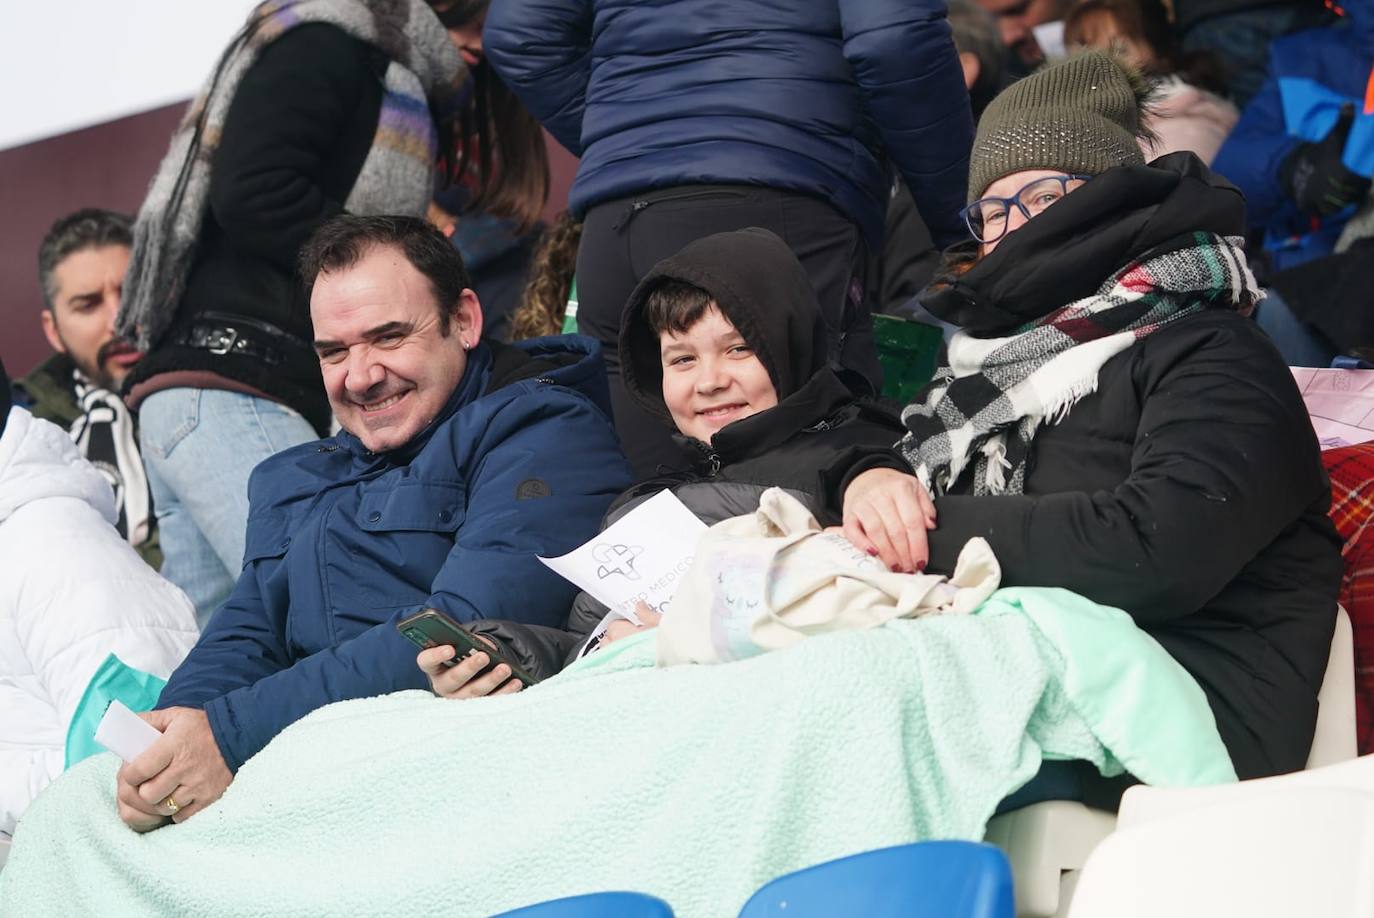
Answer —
712 377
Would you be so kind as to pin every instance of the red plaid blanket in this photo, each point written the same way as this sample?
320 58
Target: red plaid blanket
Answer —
1352 510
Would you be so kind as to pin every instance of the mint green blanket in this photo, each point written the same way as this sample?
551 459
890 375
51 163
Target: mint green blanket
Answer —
694 783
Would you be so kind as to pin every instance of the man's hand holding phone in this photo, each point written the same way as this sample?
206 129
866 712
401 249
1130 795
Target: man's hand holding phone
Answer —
460 664
466 678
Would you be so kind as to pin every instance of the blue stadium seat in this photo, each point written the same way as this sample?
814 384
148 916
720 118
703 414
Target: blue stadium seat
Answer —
938 879
596 905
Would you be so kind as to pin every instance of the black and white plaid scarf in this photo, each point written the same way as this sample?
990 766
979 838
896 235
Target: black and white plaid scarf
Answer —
986 406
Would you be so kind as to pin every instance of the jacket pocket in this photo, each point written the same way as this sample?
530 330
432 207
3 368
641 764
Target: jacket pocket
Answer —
387 555
168 417
414 507
267 537
695 195
686 196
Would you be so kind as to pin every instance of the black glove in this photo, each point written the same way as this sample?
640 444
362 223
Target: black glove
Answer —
1314 176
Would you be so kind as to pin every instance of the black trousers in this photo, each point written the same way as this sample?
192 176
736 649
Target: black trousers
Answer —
622 239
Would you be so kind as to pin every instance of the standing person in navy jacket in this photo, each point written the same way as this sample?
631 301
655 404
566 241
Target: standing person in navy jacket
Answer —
715 115
460 461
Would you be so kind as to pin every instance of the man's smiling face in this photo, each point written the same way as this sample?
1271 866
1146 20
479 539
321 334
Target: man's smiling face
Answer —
389 360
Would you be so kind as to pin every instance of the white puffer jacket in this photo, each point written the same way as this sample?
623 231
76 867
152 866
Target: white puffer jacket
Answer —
71 592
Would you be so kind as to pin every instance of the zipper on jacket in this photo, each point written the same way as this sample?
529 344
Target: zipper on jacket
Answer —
708 455
834 422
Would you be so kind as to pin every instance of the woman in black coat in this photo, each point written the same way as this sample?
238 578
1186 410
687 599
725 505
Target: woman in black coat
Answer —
315 108
1111 421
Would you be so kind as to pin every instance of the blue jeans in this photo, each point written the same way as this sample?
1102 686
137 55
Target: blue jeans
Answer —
1300 344
199 446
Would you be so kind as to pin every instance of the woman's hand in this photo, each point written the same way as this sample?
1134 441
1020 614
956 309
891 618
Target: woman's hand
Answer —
887 513
623 628
462 681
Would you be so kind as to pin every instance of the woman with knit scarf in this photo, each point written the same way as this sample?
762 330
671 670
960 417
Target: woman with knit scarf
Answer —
316 107
1111 420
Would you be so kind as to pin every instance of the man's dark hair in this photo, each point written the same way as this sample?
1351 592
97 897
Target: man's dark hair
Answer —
342 241
89 228
673 306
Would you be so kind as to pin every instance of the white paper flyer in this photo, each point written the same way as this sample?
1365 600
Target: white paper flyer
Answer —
641 557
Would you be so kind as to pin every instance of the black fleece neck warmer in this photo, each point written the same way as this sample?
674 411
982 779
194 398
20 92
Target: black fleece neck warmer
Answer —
759 286
6 399
1065 253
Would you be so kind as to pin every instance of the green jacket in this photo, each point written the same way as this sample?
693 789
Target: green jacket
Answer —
49 393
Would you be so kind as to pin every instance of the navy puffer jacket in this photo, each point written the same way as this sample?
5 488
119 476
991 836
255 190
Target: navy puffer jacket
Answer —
343 543
806 95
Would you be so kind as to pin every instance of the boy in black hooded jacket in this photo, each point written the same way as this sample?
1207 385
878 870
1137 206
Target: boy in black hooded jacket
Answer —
725 341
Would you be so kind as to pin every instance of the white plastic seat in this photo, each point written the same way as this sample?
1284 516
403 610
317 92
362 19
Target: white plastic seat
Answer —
1141 805
1048 843
1335 739
1330 764
1263 853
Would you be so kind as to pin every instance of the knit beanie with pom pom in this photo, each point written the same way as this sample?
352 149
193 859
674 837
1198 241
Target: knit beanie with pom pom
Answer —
1081 116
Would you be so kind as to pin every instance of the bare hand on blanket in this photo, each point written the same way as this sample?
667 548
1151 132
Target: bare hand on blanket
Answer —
176 777
459 681
887 513
623 628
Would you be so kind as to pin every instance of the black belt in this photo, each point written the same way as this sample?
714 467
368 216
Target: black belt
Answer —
223 334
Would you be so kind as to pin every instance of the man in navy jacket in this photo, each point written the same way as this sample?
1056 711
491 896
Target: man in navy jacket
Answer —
693 118
459 462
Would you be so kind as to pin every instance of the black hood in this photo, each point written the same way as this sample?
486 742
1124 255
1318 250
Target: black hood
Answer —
1068 251
5 398
760 287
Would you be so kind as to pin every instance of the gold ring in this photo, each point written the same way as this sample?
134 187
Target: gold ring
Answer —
171 805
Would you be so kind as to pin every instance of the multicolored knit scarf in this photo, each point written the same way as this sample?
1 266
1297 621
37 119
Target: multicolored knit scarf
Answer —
986 406
425 80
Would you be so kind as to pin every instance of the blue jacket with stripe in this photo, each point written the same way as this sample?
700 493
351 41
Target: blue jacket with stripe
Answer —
1311 75
812 96
343 543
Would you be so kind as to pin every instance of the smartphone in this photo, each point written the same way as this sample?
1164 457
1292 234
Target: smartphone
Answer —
432 628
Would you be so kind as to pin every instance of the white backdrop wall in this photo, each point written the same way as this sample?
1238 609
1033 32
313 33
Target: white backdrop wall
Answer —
69 64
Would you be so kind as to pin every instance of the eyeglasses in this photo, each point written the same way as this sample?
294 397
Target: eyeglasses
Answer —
987 218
